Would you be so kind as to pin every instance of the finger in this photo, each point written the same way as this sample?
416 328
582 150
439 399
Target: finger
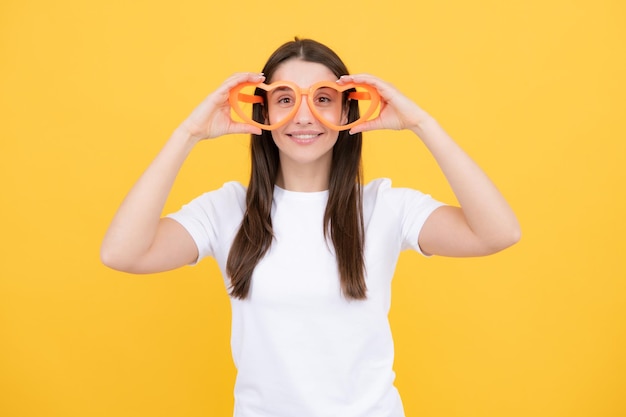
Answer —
344 79
220 96
240 78
238 127
360 79
387 91
374 124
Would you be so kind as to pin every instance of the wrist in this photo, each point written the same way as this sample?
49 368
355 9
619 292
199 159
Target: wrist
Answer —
191 130
423 124
184 136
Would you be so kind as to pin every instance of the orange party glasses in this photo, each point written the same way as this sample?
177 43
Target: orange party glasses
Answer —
282 99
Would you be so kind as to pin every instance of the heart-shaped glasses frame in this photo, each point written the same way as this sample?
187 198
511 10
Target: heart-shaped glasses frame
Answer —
370 93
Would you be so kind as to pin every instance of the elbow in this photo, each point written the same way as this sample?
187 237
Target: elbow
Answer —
113 259
505 239
514 234
108 258
512 239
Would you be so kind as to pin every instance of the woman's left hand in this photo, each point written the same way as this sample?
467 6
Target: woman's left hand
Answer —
397 111
484 223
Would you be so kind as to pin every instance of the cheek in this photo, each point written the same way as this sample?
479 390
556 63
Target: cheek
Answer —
334 115
276 114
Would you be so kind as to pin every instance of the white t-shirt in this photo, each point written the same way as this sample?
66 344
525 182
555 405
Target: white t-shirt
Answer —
301 349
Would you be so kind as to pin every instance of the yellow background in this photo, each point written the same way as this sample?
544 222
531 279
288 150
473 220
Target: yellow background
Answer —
534 90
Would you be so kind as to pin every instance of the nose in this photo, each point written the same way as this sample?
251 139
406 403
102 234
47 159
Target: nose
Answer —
304 114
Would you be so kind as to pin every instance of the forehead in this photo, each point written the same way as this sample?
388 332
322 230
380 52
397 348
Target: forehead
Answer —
303 73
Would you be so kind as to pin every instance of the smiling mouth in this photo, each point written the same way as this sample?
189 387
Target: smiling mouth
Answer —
307 136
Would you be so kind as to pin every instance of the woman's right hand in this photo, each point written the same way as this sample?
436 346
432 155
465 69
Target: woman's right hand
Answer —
212 117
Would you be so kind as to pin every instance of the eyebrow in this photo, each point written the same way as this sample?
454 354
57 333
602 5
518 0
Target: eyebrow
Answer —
281 89
327 90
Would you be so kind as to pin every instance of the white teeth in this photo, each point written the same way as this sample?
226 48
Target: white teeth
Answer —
304 136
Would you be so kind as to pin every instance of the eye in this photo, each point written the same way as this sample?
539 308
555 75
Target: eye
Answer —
326 97
285 101
282 97
324 100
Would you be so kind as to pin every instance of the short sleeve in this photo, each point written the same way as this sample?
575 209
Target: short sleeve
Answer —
411 209
211 218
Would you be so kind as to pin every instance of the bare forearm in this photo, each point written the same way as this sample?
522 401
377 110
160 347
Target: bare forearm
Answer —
134 226
486 211
138 240
484 223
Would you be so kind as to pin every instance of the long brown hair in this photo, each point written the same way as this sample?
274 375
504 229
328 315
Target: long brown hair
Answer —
343 218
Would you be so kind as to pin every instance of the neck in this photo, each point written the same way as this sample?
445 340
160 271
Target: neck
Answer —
303 178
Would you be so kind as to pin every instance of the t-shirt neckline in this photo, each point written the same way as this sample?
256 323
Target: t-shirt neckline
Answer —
300 195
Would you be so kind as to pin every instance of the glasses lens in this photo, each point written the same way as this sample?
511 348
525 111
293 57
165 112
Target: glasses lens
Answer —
278 103
367 103
242 103
281 104
328 104
337 108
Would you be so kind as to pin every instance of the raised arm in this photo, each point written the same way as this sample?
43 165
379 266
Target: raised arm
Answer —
138 240
484 223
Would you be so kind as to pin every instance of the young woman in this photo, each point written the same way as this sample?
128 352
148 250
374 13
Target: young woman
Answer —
307 252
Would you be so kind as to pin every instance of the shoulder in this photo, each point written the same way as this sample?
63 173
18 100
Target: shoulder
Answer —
381 194
375 185
230 192
398 210
234 190
382 188
229 199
